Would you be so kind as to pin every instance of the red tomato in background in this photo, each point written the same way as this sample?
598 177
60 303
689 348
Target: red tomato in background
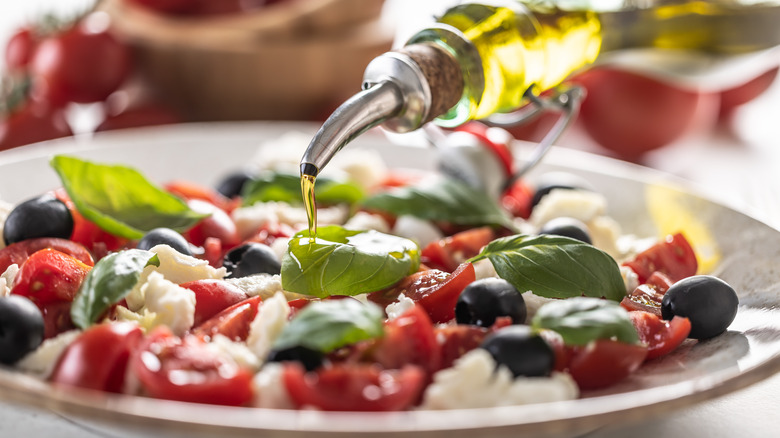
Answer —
30 123
448 253
630 114
167 6
143 115
185 369
192 191
408 339
98 358
18 252
218 224
604 362
213 296
661 337
354 387
518 199
232 322
20 48
82 64
734 97
673 257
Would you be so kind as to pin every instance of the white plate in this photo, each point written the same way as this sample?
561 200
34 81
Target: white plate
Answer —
644 201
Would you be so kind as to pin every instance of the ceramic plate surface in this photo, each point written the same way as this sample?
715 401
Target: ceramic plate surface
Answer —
733 246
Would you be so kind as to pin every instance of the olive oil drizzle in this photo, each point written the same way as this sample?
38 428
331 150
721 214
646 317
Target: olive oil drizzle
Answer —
307 189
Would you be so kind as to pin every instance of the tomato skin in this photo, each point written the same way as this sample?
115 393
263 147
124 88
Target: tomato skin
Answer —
672 256
354 387
661 337
20 48
742 94
518 199
17 253
648 296
79 65
408 339
213 296
145 115
218 225
457 340
98 241
499 148
604 362
232 322
98 358
166 6
31 123
191 191
448 253
185 369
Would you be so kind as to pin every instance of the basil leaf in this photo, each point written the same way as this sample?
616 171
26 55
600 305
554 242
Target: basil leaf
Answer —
581 320
441 199
110 280
286 187
346 262
120 200
555 266
327 325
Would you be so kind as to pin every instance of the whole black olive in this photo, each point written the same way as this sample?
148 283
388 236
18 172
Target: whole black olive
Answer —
567 227
482 301
165 236
43 216
21 328
310 359
520 350
708 302
251 258
231 185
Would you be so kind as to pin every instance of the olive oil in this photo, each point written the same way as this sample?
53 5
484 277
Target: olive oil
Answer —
307 189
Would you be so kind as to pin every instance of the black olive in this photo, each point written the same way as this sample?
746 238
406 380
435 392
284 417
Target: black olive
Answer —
482 301
567 227
44 216
709 302
557 180
310 359
21 328
520 350
165 236
251 258
231 185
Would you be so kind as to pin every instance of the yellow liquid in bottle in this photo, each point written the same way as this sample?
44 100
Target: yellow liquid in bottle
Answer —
307 189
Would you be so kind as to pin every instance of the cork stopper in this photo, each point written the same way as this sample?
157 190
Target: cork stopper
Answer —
443 74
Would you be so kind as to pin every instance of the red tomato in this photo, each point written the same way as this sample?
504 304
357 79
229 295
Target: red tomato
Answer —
672 256
232 322
192 191
734 97
213 296
146 115
648 296
85 232
661 337
56 318
562 352
518 199
98 358
631 114
436 291
212 252
167 6
457 340
218 225
408 339
604 362
20 48
269 232
18 252
448 253
354 387
30 123
82 64
185 369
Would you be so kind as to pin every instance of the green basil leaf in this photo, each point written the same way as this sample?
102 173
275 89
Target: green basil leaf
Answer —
346 262
555 266
120 200
327 325
286 187
110 280
581 320
441 199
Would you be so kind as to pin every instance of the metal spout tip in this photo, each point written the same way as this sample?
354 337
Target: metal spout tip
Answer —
309 169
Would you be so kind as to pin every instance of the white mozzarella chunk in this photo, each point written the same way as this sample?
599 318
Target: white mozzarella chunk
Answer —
421 231
165 303
279 247
484 269
282 154
582 205
604 234
630 279
475 382
363 166
398 308
251 218
270 391
263 285
533 302
238 351
41 362
367 221
7 278
271 318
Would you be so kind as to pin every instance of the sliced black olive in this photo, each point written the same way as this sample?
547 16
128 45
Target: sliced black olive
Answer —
165 236
310 359
44 216
557 180
250 259
231 185
709 302
567 227
520 350
482 301
21 328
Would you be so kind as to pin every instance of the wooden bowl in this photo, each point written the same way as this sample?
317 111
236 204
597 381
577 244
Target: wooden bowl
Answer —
293 60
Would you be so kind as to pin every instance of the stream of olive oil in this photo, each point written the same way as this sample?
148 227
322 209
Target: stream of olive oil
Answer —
307 189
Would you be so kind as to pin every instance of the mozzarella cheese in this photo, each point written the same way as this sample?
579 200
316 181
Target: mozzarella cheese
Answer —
263 285
270 391
165 303
271 318
419 230
238 351
367 221
398 308
41 362
7 278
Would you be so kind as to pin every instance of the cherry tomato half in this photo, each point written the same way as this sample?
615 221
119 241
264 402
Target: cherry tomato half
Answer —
213 296
604 362
648 296
408 339
232 322
18 252
672 256
448 253
661 337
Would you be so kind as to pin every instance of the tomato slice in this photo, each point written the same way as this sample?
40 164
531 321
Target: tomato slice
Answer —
185 369
218 225
408 339
457 340
518 199
98 358
661 337
448 253
213 296
232 322
354 387
648 296
604 362
18 252
673 257
98 241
